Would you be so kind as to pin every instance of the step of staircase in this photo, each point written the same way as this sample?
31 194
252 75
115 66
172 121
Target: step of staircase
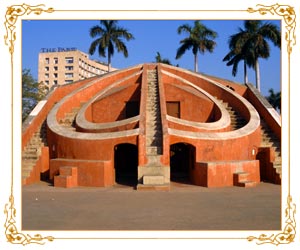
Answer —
142 187
246 184
240 177
152 150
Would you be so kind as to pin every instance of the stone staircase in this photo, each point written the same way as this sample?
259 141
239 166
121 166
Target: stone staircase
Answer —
237 121
153 118
241 179
32 151
69 120
270 140
153 177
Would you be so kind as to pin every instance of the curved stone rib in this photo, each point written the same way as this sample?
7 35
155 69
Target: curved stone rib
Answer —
58 129
250 127
84 124
222 123
107 125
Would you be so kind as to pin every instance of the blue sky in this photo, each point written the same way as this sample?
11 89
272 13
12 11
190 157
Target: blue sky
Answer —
151 36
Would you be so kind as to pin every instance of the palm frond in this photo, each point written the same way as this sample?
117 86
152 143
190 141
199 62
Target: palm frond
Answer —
186 45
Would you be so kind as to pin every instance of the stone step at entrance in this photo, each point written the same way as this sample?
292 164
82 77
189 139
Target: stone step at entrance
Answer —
241 179
153 183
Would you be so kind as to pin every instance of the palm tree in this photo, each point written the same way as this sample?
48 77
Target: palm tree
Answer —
200 39
237 54
110 37
252 44
159 59
274 99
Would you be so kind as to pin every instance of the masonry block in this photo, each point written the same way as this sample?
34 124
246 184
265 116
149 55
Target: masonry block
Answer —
226 173
67 178
240 177
153 180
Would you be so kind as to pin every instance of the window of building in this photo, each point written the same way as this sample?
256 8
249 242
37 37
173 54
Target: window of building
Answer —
55 60
55 82
47 60
69 60
68 75
55 75
69 67
46 75
55 68
46 68
68 81
47 82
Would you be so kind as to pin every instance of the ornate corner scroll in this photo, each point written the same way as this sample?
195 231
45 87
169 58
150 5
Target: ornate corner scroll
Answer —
289 17
289 232
11 231
11 17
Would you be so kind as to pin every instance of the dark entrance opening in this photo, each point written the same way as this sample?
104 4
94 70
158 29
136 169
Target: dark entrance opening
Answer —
182 160
126 164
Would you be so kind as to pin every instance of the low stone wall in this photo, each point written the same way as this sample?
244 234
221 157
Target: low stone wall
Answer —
88 173
221 174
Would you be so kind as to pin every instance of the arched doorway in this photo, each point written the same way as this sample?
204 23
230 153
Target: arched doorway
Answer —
182 160
126 164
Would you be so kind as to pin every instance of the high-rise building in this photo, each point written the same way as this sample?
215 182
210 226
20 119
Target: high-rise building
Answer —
58 66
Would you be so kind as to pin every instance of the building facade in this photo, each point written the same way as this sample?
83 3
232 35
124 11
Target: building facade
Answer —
150 125
58 66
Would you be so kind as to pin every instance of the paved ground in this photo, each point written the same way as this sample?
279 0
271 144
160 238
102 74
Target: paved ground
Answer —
184 207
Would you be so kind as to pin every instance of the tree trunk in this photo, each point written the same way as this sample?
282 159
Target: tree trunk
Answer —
109 61
257 75
196 62
245 72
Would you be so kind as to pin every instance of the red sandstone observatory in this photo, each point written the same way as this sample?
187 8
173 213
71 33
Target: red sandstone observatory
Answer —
149 125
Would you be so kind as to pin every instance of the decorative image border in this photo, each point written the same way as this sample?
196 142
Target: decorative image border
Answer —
288 16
